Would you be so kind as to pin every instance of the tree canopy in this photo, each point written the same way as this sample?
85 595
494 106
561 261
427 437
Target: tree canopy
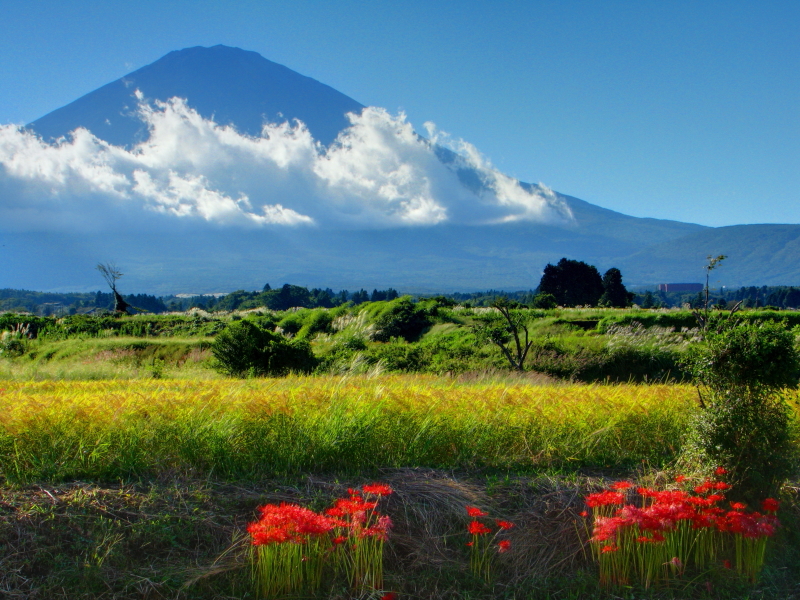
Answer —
614 292
572 283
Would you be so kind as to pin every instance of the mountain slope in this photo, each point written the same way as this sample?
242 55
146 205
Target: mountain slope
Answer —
757 255
229 84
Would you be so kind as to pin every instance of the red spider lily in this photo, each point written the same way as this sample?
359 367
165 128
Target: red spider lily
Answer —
705 487
389 596
720 471
621 485
503 546
287 523
380 530
751 526
470 544
504 524
474 511
351 506
726 564
680 478
605 499
675 517
478 528
377 489
770 505
583 513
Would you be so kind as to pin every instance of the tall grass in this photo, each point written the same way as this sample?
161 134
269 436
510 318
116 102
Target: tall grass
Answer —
255 428
88 358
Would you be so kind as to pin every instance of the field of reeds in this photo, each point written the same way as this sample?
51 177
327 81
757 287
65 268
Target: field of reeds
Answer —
248 429
143 488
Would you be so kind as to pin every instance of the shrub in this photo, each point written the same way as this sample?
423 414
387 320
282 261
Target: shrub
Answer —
401 318
243 348
544 301
744 425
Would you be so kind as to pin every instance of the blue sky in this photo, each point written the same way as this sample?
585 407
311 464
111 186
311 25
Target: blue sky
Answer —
679 110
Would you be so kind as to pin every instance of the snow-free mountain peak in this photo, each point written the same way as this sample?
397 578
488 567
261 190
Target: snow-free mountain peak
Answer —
230 85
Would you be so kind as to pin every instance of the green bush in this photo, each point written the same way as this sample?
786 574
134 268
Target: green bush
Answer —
744 425
244 349
11 346
401 319
544 301
341 356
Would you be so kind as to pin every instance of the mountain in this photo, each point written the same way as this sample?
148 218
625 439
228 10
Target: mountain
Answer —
227 84
168 254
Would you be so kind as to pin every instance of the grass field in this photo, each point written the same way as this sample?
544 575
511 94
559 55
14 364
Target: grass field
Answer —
235 429
141 488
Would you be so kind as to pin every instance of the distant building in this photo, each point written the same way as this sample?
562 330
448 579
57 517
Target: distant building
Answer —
680 287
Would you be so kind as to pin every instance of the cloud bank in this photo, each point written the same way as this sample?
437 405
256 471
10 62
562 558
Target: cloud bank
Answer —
379 173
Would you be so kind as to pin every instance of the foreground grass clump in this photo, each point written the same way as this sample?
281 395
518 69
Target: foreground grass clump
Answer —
255 428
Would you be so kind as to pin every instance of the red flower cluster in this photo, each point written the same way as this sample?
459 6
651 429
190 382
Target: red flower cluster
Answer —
358 514
605 499
288 523
668 508
474 511
476 528
281 523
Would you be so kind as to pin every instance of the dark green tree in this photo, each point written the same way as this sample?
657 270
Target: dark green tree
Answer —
614 292
572 283
544 301
243 348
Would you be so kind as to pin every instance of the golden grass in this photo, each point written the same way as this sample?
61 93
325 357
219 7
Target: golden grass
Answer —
248 428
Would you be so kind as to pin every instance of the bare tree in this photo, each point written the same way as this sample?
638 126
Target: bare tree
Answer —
714 262
511 328
111 274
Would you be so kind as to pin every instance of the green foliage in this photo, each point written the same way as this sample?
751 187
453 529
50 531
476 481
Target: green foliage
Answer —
400 318
745 360
244 349
508 330
398 355
291 323
744 424
614 292
572 283
543 300
622 364
342 356
316 321
11 346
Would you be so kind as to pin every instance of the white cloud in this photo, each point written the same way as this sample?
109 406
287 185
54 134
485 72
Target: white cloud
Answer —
378 173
